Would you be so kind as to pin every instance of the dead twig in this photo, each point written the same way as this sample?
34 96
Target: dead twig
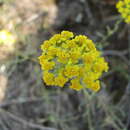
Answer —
114 52
127 90
88 12
19 101
34 17
27 123
120 54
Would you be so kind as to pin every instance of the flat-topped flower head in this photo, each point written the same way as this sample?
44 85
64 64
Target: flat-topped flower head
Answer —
74 59
123 7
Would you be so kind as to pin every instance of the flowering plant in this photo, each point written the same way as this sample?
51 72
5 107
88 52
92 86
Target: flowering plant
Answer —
68 58
6 37
123 7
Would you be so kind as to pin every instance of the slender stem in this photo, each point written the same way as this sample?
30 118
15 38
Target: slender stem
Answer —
128 86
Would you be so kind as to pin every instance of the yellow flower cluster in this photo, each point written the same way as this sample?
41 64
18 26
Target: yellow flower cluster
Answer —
6 37
73 59
123 7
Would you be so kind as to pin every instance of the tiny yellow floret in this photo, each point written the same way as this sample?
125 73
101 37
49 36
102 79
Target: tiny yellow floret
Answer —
48 78
60 80
75 84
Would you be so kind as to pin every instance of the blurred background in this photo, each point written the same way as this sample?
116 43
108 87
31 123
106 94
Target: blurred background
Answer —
26 103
